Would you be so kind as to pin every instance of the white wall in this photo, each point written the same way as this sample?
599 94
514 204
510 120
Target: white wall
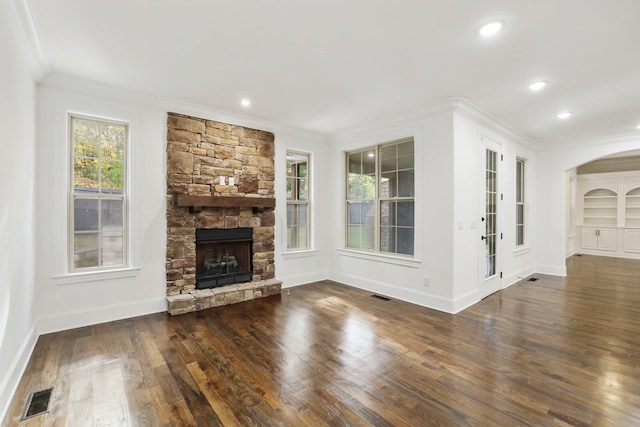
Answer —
297 268
444 273
17 205
403 278
552 163
66 301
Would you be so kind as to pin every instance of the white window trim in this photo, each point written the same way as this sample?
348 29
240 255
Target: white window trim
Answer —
125 269
309 202
97 275
523 183
383 257
376 253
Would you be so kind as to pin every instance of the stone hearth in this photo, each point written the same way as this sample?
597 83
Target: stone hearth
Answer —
218 176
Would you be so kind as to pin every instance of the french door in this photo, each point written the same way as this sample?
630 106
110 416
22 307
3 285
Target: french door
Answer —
490 238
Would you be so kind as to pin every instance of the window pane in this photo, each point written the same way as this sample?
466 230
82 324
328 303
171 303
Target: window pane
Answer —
519 235
405 184
355 163
388 185
387 213
292 238
519 214
369 163
302 189
353 213
85 173
388 158
112 215
85 214
302 214
303 236
112 253
86 138
361 187
112 176
367 214
85 250
113 139
405 214
405 149
405 241
388 239
360 237
291 188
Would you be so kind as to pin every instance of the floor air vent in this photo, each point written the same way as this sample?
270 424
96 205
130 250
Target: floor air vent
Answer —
381 297
38 403
533 279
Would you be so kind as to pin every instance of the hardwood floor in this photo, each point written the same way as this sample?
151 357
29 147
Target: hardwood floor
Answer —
559 351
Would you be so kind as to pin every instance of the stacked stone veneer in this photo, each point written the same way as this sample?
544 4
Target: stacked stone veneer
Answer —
199 152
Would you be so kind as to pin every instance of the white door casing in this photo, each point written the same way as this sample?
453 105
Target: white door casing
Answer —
490 215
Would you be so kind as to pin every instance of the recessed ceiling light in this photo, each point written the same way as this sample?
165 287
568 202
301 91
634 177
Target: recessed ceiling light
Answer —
638 127
564 115
490 29
537 85
245 102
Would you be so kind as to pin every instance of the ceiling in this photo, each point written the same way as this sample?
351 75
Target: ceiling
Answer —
329 65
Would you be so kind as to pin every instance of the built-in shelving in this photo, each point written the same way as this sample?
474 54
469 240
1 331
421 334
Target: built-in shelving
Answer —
632 208
600 208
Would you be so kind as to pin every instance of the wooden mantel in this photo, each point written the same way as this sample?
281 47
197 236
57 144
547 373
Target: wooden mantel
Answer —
223 201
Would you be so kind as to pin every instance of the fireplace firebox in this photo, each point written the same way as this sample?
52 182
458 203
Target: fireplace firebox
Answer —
223 256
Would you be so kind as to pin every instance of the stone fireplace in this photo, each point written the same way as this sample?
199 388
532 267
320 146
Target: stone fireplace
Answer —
220 181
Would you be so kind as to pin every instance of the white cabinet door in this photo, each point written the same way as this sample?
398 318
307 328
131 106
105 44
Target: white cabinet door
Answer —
606 239
589 238
632 241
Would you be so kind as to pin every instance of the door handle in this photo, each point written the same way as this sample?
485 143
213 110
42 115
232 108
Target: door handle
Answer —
483 237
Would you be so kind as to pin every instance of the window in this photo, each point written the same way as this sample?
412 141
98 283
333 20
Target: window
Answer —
298 232
380 198
519 202
98 197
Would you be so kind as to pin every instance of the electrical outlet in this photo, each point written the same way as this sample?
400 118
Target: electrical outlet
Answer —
426 281
232 180
222 180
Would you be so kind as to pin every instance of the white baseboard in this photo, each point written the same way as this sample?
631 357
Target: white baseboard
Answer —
514 278
435 302
551 270
302 279
465 301
13 375
92 316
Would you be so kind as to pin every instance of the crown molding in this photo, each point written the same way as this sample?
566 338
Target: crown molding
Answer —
90 88
203 112
629 137
459 105
379 124
41 67
464 107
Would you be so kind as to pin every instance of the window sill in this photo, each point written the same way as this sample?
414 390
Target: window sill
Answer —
300 254
388 259
522 250
95 276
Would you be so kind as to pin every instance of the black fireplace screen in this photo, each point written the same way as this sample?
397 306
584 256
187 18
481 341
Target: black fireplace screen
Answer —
223 257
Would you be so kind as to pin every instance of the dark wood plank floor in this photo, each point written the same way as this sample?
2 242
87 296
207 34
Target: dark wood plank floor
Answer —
559 351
